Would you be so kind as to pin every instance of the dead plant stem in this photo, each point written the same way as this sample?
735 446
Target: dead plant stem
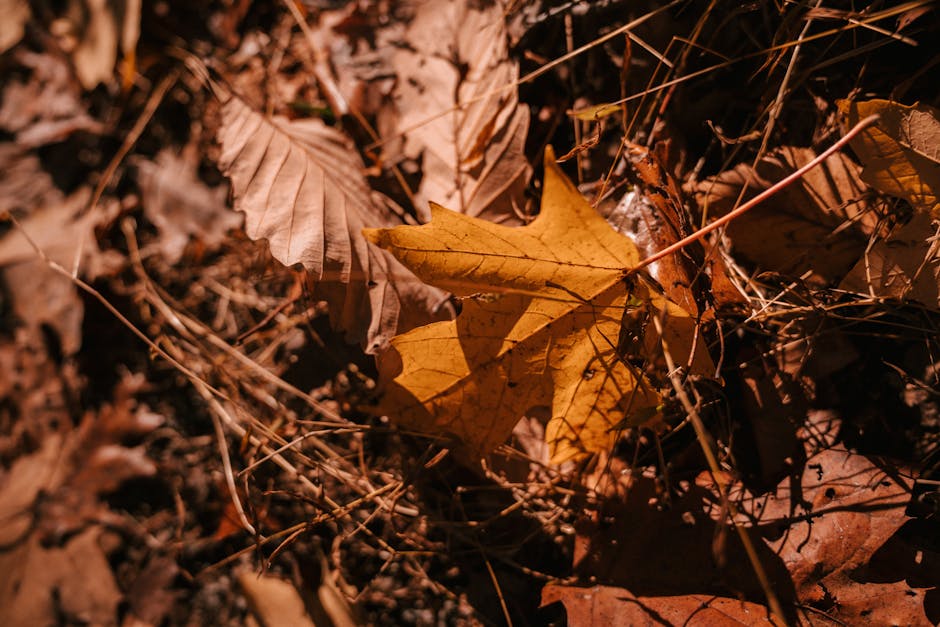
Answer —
702 436
219 410
782 89
153 102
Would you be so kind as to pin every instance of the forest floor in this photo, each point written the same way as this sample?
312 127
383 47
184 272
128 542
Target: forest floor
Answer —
198 423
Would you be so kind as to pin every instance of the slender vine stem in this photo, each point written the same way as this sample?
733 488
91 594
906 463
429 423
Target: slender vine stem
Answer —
764 195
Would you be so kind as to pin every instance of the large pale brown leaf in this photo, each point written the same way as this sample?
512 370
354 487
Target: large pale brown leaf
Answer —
302 188
472 158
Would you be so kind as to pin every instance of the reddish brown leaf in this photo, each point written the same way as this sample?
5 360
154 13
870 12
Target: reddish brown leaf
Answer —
847 511
617 607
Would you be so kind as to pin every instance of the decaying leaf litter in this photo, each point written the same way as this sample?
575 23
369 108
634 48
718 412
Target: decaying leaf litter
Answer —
811 318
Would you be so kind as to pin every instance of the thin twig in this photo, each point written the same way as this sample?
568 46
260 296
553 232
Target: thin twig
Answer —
219 410
153 102
702 436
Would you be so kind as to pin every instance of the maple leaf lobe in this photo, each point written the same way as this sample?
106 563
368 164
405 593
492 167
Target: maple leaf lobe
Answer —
559 316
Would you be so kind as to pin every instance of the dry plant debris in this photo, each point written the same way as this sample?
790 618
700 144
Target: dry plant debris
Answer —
301 322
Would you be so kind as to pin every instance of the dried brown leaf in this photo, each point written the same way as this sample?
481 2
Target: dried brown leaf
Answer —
71 584
52 565
274 601
617 607
831 542
455 66
904 265
25 184
181 206
846 511
675 544
40 295
15 15
302 188
901 158
95 24
820 224
44 107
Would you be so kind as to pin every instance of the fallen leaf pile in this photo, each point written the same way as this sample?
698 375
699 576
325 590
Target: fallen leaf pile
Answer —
300 289
53 517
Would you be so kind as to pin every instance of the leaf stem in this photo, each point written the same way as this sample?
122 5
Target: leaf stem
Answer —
764 195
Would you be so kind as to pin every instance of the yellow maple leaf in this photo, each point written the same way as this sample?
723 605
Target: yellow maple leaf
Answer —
901 153
566 325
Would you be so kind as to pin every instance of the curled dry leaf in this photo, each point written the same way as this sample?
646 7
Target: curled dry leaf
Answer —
556 337
302 187
458 109
15 15
901 152
819 224
839 538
